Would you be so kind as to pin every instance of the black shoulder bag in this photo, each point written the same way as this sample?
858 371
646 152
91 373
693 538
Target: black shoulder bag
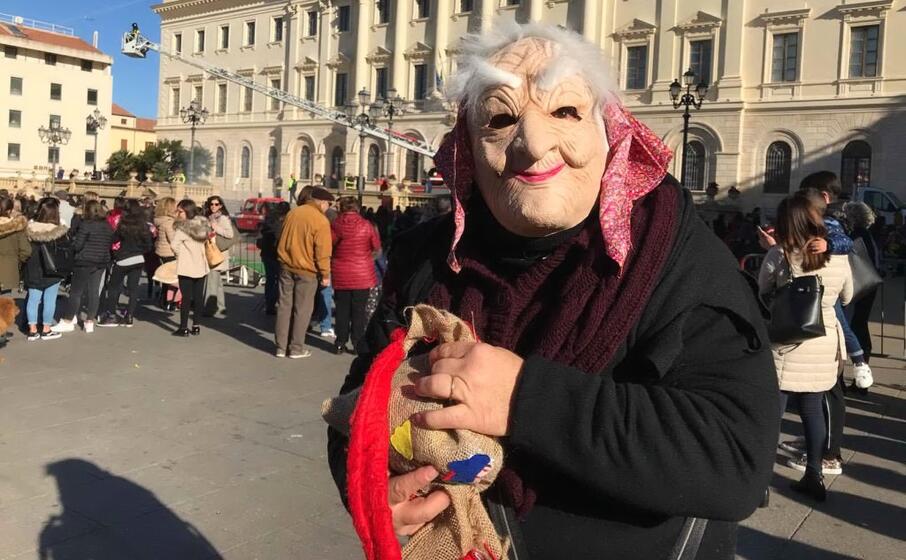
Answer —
796 314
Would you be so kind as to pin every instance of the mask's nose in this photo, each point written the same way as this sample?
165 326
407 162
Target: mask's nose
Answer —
533 140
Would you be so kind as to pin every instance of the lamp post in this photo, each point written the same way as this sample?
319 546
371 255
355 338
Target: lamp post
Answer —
367 117
193 115
391 106
95 121
686 100
54 135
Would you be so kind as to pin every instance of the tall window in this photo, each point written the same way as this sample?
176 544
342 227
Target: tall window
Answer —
89 158
863 52
423 9
199 41
305 163
174 102
343 18
700 60
54 121
310 88
247 100
56 91
92 97
374 162
198 93
413 165
13 151
219 161
10 51
777 162
245 163
272 163
637 67
277 34
15 86
784 57
249 33
275 103
221 98
53 155
421 81
339 90
855 170
380 83
465 6
224 36
177 43
383 11
15 119
695 166
312 23
337 165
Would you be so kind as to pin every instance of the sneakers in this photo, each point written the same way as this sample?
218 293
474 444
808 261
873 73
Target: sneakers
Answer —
329 333
280 353
127 321
109 320
794 446
862 376
88 326
302 354
33 336
67 326
828 466
50 335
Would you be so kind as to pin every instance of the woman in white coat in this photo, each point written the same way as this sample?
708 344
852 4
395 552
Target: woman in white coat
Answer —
806 370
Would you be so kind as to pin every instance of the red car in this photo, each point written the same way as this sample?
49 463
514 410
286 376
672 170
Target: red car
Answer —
254 211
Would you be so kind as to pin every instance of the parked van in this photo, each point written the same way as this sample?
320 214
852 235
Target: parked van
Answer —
884 203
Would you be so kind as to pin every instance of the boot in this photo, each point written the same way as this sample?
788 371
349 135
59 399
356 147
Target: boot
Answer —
812 484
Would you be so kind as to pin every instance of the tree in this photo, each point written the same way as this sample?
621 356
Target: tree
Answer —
120 164
166 158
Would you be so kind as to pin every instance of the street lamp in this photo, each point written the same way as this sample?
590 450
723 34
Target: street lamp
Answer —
95 121
366 118
55 135
391 106
193 115
687 100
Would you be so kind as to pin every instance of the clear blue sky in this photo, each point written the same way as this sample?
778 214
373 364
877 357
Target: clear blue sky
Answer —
134 80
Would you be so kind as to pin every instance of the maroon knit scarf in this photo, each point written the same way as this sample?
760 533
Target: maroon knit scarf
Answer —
574 307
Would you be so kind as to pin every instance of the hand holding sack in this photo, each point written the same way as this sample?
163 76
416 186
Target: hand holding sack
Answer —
382 436
212 254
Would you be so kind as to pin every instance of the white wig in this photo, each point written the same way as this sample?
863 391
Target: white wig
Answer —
573 55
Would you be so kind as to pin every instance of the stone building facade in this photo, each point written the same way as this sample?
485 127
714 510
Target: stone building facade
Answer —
793 87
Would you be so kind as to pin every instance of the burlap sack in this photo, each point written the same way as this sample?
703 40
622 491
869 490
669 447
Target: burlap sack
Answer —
468 462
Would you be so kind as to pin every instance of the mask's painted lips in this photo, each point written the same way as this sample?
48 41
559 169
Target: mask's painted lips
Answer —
539 176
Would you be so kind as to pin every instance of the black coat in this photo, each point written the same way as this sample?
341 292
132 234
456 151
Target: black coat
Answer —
34 273
132 246
91 241
682 423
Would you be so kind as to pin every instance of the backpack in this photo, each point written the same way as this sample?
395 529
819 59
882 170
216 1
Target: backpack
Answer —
57 257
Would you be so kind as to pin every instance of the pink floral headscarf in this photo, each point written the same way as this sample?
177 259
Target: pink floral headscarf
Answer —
637 163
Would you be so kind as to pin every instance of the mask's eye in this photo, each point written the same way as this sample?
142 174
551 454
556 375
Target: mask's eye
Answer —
567 113
502 120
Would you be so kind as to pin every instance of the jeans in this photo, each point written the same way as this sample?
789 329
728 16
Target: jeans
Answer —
86 281
297 299
133 275
860 312
35 297
324 308
271 283
214 300
811 411
351 308
853 348
192 294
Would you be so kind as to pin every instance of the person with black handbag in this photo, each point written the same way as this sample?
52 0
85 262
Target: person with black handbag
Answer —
806 365
51 260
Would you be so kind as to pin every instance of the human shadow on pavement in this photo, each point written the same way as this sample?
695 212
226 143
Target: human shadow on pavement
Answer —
104 516
752 544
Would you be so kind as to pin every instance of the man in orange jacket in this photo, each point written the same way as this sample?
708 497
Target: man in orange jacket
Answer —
304 251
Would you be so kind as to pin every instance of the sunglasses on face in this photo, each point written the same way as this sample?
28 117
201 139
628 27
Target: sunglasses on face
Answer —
213 204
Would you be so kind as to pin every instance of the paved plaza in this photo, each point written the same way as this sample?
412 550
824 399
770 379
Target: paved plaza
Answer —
131 444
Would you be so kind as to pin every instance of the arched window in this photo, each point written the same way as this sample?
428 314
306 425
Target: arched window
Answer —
272 163
855 170
305 163
219 161
337 165
245 163
413 165
777 163
374 162
695 166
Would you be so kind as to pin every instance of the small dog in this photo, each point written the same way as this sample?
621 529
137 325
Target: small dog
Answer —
8 312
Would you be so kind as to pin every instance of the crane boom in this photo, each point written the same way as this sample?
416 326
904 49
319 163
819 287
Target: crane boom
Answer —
137 45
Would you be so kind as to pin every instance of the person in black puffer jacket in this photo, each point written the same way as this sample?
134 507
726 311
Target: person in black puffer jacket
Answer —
135 239
45 231
91 240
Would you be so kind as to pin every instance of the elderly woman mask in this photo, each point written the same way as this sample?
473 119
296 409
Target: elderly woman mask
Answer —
538 141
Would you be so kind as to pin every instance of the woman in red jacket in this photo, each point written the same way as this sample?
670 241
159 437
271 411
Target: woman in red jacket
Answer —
355 244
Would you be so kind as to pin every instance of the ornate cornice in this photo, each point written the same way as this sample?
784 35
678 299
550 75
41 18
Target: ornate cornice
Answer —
875 8
636 29
271 70
701 22
786 17
379 55
418 51
308 64
337 61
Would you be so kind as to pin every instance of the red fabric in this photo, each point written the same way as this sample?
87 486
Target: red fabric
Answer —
369 455
355 241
